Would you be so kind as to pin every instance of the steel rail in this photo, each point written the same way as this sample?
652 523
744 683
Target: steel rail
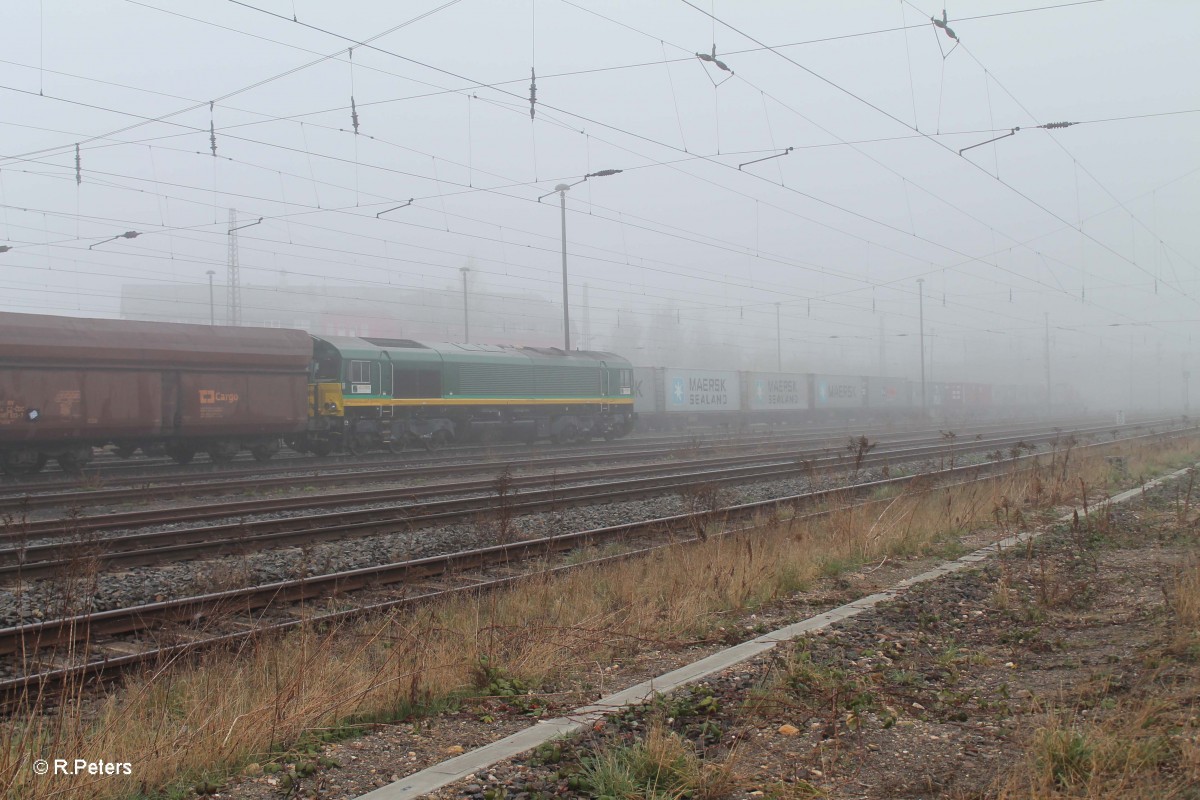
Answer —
140 493
44 560
14 640
50 633
104 464
218 481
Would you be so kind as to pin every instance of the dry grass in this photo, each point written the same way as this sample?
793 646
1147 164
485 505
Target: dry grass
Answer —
1132 757
663 766
1184 600
204 719
1148 747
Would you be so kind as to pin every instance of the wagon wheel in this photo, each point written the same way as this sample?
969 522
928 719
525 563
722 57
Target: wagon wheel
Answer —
397 445
358 445
73 461
221 455
437 440
321 447
27 468
126 450
262 453
181 454
567 435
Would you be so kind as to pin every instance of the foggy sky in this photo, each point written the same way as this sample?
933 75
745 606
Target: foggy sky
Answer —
685 255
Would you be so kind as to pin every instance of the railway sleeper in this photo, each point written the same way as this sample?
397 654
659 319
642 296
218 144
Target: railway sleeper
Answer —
122 647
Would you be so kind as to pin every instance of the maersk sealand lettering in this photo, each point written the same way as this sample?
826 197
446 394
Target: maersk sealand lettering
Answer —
708 399
707 385
843 390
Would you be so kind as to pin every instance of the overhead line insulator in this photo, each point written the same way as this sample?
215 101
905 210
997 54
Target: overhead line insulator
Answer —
532 91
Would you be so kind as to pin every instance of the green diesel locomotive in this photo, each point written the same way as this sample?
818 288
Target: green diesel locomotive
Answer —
394 393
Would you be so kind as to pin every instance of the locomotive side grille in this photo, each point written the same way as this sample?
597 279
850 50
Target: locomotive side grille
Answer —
494 379
567 381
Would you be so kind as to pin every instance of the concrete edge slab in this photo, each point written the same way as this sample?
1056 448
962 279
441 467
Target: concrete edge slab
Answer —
467 764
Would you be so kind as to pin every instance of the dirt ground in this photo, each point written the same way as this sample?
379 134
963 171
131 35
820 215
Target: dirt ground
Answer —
941 693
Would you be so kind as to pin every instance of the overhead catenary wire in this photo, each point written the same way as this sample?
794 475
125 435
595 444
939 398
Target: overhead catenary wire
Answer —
899 121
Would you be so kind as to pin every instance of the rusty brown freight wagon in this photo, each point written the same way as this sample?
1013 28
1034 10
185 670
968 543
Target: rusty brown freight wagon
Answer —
68 385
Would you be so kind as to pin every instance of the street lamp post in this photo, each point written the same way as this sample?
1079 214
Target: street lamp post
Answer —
466 316
562 190
212 318
778 342
1049 390
562 201
921 306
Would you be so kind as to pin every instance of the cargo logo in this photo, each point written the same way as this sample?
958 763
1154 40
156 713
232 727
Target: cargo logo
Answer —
835 391
216 405
777 391
677 391
701 392
209 397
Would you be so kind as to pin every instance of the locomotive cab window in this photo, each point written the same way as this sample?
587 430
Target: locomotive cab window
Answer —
325 368
359 377
626 382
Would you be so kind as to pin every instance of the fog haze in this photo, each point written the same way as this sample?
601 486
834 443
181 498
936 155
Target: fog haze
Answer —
703 251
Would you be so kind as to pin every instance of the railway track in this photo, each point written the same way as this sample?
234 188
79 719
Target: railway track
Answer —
54 652
91 482
453 501
138 491
111 468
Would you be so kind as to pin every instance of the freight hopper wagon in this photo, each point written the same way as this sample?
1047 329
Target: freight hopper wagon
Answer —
68 385
392 393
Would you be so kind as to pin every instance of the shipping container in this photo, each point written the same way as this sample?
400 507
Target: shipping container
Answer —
977 395
776 391
647 394
937 394
839 391
698 390
885 393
